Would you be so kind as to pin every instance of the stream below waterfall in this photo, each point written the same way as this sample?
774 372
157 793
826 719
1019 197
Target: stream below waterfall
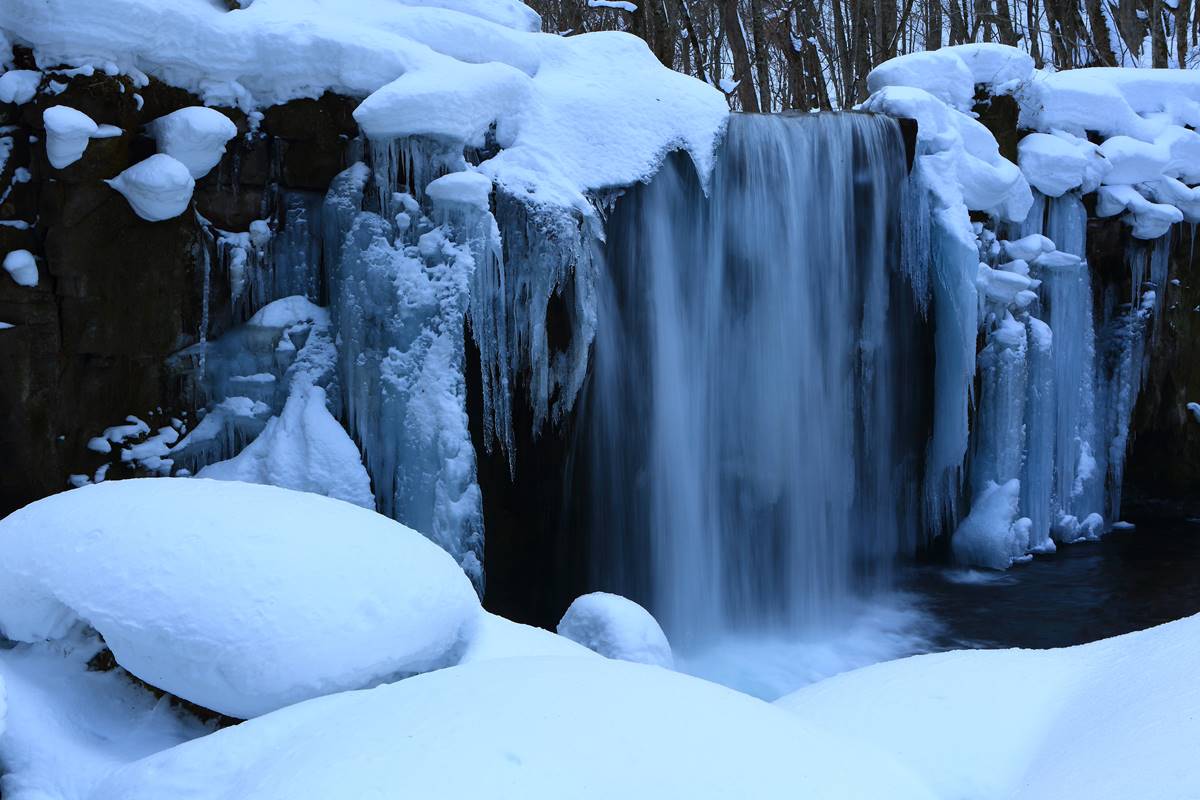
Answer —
1129 580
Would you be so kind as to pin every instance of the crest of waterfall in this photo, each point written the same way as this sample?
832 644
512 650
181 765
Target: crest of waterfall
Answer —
749 406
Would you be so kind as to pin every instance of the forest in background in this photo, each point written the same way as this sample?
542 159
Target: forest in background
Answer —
774 55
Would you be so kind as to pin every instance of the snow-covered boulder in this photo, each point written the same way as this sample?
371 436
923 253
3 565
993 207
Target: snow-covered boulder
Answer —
158 188
527 728
304 448
19 85
1110 720
195 136
67 134
616 627
238 597
1057 163
21 267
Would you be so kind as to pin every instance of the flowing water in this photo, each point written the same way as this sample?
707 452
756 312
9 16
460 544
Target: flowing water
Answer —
752 414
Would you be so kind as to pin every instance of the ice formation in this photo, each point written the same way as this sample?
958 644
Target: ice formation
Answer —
616 627
1045 449
256 598
158 188
21 267
535 728
195 136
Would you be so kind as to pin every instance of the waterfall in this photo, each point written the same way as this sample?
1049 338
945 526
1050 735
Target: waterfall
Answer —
754 423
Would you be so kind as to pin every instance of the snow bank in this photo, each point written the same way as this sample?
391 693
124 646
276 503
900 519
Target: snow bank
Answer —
527 728
238 597
305 449
1117 718
616 627
573 113
21 267
157 188
67 134
194 136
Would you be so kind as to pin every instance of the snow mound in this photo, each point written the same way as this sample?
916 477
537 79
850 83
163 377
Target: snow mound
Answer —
304 448
67 134
21 267
462 188
1116 719
194 136
1056 163
19 85
616 627
288 311
157 188
991 535
69 726
496 637
951 73
238 597
523 728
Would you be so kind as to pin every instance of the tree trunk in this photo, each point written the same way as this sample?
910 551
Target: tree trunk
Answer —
732 23
761 54
1102 52
933 24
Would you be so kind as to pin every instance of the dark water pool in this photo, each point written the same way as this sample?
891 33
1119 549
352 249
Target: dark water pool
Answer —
1129 580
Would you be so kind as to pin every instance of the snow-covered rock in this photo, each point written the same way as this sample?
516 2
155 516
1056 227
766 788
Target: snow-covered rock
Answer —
195 136
616 627
158 188
238 597
19 85
1113 719
528 728
951 73
21 267
572 113
305 449
1057 163
461 188
67 134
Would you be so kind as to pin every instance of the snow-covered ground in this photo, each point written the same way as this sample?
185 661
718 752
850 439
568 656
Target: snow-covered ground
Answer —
527 728
1118 718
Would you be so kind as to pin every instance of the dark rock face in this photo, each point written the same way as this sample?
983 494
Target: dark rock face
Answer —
1164 460
117 295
